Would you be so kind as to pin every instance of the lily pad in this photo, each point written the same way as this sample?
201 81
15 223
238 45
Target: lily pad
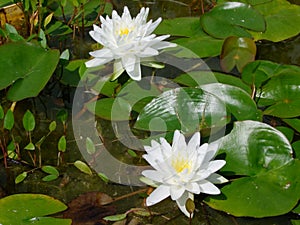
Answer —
187 109
282 96
232 19
189 34
263 156
282 20
237 51
31 209
28 67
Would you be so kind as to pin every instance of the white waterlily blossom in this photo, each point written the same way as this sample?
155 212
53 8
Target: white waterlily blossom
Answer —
128 41
182 170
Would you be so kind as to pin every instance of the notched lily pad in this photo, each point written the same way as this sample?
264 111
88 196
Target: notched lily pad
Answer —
232 19
237 51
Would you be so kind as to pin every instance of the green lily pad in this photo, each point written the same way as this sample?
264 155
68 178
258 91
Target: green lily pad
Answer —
189 34
116 109
237 101
237 51
232 19
187 109
196 78
263 156
282 96
31 209
282 20
28 67
259 195
253 147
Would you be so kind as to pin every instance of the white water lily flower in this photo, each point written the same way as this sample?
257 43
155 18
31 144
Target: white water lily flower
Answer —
128 41
182 170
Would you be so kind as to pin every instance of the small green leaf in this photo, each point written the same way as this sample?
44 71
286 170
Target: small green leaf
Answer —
48 19
52 126
50 177
1 112
62 115
30 147
90 147
117 217
28 121
20 177
83 167
62 144
50 170
65 55
132 153
9 120
142 212
103 177
42 38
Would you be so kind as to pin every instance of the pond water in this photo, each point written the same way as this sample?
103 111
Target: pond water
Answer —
73 182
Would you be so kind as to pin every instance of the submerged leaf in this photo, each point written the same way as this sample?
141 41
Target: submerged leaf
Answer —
83 167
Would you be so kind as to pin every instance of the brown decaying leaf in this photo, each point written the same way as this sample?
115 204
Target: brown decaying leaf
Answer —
90 208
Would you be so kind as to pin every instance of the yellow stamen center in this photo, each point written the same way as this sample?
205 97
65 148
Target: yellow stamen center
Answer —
124 31
180 164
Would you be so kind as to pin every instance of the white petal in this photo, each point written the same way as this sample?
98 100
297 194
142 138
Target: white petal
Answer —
217 179
102 53
153 26
118 69
182 200
163 44
176 192
158 195
148 52
179 143
166 148
208 188
97 62
153 161
193 188
153 175
194 142
96 36
132 67
215 165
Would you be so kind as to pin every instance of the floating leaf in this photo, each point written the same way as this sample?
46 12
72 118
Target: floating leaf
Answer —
52 126
90 147
237 51
232 19
62 115
132 153
103 177
27 67
117 217
50 177
62 144
30 209
282 95
50 170
83 167
186 109
263 156
191 36
28 121
111 109
30 147
9 120
282 20
20 178
288 132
